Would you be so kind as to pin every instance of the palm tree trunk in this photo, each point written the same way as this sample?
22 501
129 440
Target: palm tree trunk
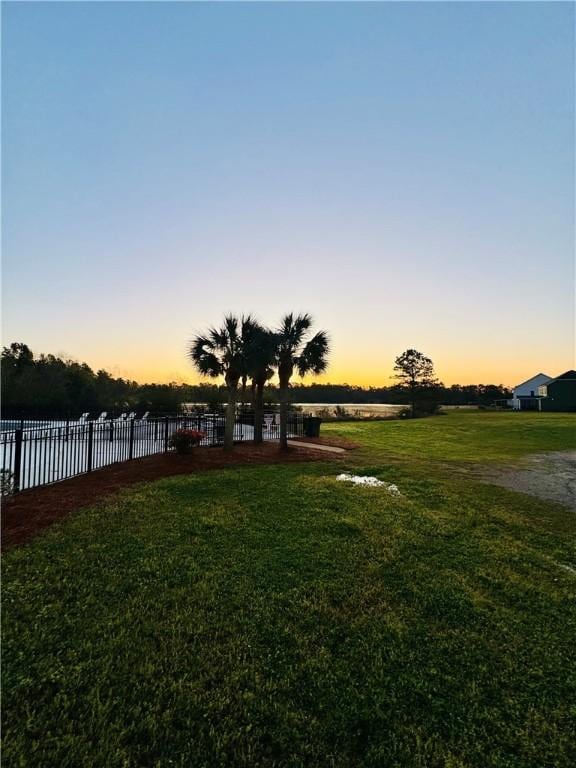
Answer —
283 393
243 397
258 412
230 419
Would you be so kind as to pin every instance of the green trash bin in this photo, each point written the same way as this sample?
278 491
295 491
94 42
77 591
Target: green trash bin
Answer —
312 426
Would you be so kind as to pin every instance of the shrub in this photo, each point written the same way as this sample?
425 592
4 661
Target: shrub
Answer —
6 482
427 408
422 410
340 412
183 440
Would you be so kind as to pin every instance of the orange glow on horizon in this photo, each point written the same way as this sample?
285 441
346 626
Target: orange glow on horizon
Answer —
454 364
374 377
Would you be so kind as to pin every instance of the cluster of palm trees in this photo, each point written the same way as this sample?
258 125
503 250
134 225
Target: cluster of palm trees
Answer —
243 350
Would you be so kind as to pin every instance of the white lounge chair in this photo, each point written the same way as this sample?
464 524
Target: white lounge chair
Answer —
84 418
102 417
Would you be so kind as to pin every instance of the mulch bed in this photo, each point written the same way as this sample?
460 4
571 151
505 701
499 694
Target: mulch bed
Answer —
30 512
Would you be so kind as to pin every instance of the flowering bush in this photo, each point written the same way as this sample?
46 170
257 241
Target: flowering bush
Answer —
183 440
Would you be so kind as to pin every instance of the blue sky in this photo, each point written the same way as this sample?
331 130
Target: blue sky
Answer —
403 171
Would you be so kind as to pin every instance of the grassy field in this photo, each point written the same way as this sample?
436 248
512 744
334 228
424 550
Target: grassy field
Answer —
463 436
272 616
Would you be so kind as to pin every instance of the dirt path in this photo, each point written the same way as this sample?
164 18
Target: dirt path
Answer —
549 476
316 447
328 441
28 513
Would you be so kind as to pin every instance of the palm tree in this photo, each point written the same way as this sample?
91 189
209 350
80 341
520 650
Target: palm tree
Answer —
260 359
222 352
293 352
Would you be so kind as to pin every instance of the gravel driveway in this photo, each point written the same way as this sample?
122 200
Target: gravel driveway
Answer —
550 476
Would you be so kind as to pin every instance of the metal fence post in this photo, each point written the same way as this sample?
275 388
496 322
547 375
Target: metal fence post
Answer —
166 434
131 446
90 443
17 459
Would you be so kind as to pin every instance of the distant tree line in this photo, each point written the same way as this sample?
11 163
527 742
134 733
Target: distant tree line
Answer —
47 386
44 386
396 394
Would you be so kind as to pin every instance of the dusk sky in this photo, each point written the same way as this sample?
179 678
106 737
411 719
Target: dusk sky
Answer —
402 171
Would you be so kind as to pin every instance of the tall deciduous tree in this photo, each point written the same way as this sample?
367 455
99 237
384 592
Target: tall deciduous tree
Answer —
294 352
415 371
222 352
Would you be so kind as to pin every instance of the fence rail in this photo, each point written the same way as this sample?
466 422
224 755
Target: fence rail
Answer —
35 454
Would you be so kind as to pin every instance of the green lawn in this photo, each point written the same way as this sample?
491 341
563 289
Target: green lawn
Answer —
274 617
464 436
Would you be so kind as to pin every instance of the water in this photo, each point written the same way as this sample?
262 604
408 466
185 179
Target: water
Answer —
353 409
9 425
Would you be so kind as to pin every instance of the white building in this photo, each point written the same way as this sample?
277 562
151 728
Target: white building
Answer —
526 395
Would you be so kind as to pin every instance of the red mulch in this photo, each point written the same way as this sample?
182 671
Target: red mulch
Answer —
28 513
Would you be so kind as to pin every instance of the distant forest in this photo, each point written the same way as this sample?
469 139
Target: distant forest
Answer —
46 386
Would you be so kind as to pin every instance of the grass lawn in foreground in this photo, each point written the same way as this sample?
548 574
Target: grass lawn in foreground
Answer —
272 616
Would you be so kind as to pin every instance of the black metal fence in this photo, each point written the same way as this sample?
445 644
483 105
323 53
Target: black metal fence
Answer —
40 453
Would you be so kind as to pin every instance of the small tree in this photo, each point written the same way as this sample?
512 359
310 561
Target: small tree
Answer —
293 352
415 372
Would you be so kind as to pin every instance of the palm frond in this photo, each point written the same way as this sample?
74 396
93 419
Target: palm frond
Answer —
301 324
291 333
218 338
314 356
259 349
210 365
197 347
230 327
203 356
